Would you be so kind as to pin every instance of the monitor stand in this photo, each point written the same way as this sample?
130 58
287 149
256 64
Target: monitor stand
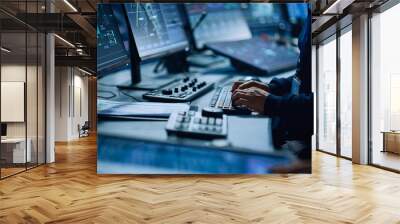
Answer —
138 84
143 85
205 59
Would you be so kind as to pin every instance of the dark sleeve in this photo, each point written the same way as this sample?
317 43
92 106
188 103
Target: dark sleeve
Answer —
296 110
280 86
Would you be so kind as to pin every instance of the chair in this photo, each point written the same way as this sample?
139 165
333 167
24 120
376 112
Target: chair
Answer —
84 130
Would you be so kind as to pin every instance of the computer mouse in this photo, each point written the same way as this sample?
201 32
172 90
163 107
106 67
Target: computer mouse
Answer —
249 78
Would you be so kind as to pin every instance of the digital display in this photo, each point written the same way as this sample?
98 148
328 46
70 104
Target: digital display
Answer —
223 22
157 28
110 48
297 11
262 14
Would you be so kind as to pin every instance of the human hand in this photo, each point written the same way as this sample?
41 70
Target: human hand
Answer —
245 85
252 98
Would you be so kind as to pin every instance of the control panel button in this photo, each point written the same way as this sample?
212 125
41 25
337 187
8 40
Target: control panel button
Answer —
166 91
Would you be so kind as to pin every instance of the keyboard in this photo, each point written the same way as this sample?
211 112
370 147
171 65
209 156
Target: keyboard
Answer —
222 100
180 90
196 125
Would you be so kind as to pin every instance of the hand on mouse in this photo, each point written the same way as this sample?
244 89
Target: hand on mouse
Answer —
252 98
244 85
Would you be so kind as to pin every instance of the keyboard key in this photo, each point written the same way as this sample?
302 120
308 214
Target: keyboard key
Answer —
211 120
179 119
218 122
185 126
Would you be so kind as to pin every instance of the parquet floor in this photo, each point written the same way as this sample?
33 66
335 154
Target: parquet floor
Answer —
70 191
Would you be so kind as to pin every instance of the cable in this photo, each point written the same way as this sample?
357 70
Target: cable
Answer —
106 97
126 94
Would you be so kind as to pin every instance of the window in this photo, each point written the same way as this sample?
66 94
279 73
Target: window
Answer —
346 93
327 96
385 89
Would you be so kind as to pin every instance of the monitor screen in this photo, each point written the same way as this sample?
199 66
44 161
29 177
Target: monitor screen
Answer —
223 22
262 14
157 28
140 156
110 47
297 11
3 129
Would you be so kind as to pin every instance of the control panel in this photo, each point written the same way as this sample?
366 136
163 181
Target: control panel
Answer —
198 125
181 90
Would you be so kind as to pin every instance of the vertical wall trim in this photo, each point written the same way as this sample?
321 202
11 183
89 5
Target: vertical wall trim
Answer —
26 88
370 154
0 89
37 91
338 90
317 96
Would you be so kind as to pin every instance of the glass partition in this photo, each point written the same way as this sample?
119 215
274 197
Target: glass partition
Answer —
13 105
327 96
385 89
22 77
346 93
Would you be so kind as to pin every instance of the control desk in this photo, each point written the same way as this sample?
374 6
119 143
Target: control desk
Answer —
245 132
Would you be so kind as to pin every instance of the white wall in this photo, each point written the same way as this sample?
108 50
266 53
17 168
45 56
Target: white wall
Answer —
33 126
70 83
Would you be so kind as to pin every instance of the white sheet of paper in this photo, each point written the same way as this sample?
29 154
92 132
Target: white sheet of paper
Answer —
142 109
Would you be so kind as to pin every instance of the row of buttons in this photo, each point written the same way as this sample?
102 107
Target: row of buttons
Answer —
192 85
199 120
211 128
208 120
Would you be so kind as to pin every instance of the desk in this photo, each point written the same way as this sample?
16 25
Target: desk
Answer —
13 150
244 132
391 141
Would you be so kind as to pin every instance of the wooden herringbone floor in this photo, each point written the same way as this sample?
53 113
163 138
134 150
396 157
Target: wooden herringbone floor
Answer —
70 191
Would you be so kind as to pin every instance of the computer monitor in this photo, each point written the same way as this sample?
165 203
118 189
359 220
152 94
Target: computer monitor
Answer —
223 22
3 130
297 12
262 16
111 50
157 29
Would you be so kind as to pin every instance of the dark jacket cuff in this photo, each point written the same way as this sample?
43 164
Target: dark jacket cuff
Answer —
272 104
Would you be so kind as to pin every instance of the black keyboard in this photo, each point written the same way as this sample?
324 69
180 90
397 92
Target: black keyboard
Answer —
222 100
196 125
181 90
